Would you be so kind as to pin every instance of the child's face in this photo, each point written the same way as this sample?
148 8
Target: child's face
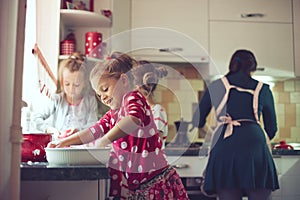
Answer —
73 84
111 91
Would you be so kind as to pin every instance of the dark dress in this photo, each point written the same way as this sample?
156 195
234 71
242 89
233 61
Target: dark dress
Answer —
242 160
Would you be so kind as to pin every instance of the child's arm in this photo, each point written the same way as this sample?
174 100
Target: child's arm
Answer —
77 138
124 127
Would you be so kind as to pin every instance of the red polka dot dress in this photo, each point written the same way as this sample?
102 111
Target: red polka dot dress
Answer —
137 157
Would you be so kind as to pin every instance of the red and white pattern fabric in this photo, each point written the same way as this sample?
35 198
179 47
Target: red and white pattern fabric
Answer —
160 119
138 157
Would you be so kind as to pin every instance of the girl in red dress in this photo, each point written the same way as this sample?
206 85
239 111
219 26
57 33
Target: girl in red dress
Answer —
129 126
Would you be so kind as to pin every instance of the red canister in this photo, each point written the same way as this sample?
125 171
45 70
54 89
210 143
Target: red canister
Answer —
33 146
67 47
93 44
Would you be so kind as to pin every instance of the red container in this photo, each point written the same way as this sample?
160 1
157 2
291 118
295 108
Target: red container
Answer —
33 146
283 145
93 42
67 47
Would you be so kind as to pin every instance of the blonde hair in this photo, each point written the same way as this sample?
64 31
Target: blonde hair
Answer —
73 63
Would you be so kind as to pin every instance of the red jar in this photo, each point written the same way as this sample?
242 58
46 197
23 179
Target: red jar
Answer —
33 146
93 42
67 47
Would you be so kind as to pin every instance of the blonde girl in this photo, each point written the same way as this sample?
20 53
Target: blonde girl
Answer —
74 107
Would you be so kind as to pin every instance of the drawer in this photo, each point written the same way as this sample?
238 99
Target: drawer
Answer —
251 10
188 166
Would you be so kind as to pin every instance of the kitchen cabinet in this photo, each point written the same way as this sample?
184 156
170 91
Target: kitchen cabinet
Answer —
40 180
188 166
296 17
46 37
170 30
289 176
58 190
263 26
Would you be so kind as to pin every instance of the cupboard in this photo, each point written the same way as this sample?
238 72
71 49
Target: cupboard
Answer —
264 27
296 17
178 33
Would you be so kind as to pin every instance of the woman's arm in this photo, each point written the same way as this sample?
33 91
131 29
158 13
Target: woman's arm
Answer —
269 114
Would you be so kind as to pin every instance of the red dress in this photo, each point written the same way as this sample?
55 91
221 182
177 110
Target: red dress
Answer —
138 157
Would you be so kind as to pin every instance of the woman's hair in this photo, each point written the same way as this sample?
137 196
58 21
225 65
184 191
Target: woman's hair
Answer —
74 63
244 61
146 76
116 65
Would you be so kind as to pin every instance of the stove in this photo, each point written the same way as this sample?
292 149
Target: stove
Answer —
175 149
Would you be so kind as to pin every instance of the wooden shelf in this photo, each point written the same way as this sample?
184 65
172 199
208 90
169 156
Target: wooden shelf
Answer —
82 18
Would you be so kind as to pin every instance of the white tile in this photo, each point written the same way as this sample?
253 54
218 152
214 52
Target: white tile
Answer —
295 133
295 97
289 86
279 108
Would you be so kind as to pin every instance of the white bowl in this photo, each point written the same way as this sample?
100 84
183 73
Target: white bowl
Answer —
77 156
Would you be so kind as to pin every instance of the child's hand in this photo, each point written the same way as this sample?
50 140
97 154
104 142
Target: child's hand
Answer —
67 133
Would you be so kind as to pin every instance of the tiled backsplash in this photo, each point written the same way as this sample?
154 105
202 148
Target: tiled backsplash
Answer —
178 95
287 105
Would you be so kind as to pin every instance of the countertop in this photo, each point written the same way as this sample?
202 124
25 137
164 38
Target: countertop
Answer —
42 171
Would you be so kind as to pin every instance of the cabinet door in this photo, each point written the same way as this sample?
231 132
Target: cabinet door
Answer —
251 10
296 12
188 166
182 27
47 33
271 43
59 190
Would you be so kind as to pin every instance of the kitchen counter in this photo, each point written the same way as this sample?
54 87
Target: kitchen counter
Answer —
39 180
42 171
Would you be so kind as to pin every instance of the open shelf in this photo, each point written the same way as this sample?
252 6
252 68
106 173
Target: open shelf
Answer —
82 18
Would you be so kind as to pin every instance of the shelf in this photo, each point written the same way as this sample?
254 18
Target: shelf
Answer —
90 59
82 18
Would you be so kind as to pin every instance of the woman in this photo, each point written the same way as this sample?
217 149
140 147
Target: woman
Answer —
240 162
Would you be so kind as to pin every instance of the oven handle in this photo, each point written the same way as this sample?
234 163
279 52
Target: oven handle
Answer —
181 166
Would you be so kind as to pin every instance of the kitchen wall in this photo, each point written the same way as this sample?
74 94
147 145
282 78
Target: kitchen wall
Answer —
286 97
287 104
178 95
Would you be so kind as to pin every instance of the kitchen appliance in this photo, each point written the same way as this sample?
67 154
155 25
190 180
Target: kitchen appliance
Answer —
33 146
283 148
181 145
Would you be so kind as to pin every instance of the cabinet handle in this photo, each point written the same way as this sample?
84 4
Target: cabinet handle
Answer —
171 49
260 69
250 15
181 166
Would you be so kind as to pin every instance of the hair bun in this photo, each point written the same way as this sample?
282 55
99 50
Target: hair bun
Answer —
161 71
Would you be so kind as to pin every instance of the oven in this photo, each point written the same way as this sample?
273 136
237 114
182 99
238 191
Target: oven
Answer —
189 166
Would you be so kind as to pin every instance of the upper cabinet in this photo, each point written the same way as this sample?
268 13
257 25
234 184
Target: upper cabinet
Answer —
296 12
263 26
170 30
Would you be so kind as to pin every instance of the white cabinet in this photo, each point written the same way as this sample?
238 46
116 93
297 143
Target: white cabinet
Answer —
60 190
263 26
288 169
296 12
188 166
178 33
